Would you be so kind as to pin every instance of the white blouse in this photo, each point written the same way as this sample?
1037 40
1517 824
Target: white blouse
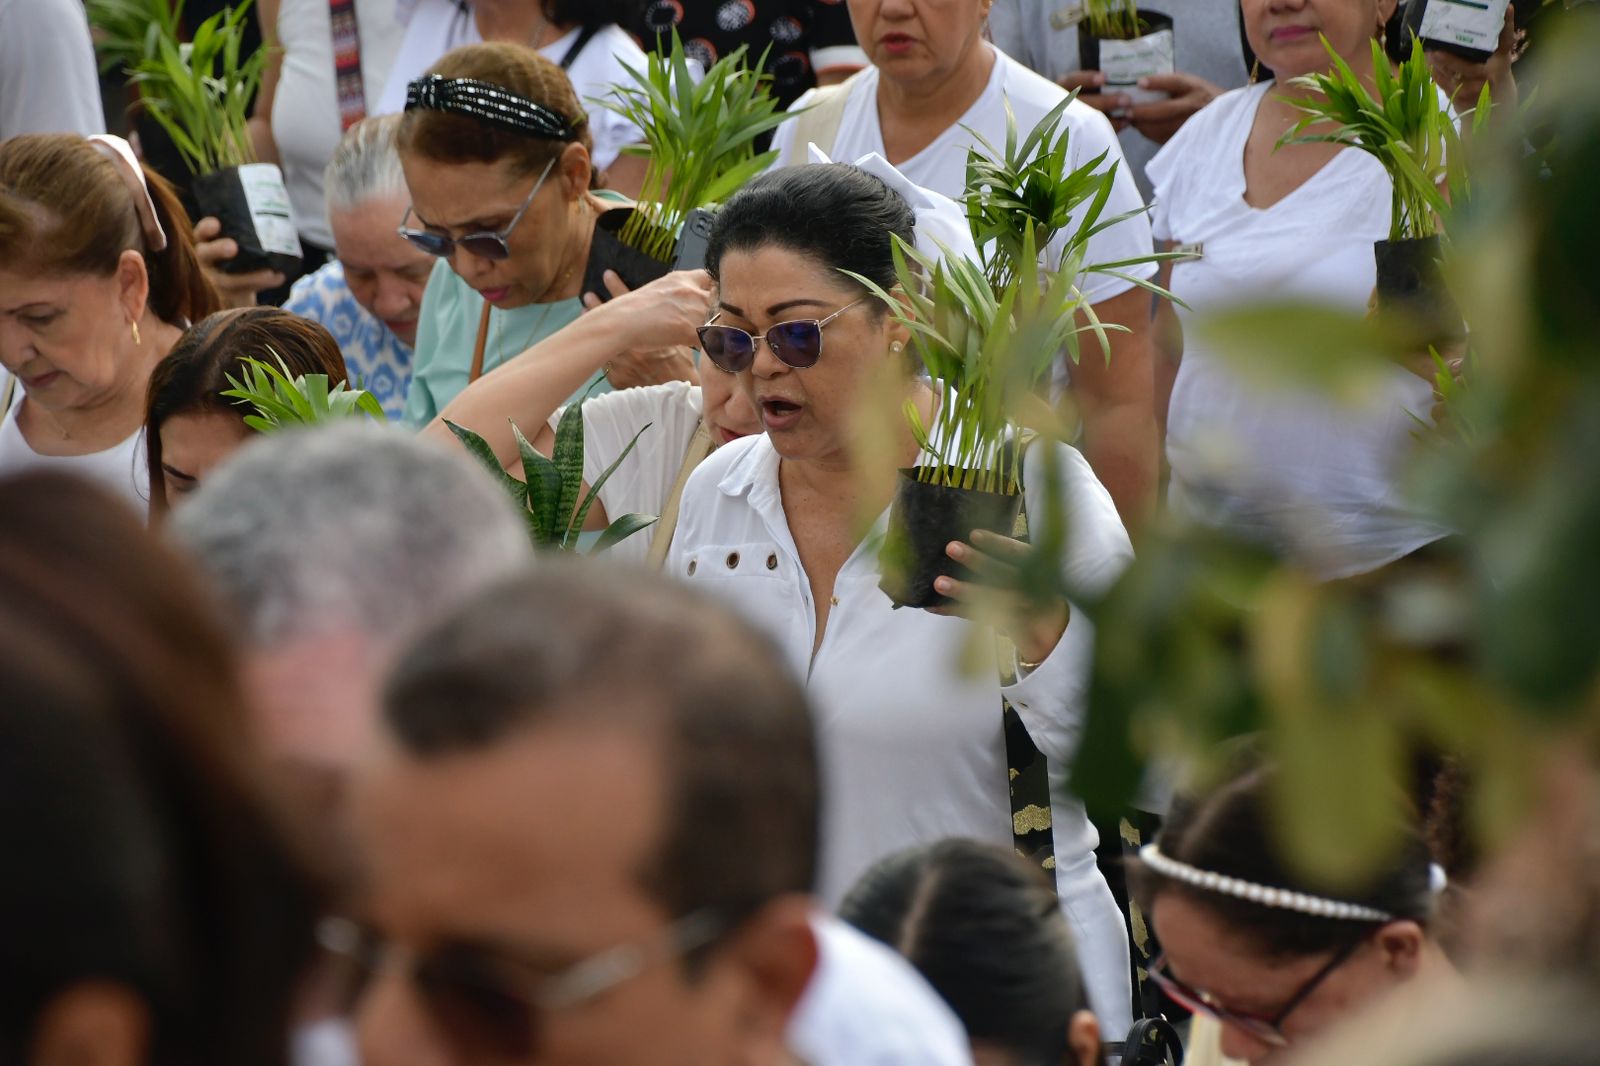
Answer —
912 747
120 468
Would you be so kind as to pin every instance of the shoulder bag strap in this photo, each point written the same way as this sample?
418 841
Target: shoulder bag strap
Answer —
819 124
693 456
348 83
5 398
585 35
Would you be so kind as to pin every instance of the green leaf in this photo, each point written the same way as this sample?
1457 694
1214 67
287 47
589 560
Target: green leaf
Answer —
621 530
594 490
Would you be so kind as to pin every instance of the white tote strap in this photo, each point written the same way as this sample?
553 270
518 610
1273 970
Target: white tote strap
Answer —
819 123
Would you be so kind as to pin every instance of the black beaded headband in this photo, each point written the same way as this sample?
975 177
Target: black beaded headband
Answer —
487 102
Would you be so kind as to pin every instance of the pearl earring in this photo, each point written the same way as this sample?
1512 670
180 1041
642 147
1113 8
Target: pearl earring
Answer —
896 347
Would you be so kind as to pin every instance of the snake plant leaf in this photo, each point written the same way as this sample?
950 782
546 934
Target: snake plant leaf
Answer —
621 530
582 515
545 490
479 449
567 455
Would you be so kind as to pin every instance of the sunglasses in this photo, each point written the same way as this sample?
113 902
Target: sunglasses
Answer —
484 1005
485 244
1268 1030
797 343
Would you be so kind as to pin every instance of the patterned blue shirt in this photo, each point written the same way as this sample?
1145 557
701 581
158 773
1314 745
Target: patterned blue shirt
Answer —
374 357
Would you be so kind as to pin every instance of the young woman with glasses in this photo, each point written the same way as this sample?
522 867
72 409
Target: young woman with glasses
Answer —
913 743
1270 954
497 156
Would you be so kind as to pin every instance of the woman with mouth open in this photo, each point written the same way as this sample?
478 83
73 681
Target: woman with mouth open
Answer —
496 152
912 745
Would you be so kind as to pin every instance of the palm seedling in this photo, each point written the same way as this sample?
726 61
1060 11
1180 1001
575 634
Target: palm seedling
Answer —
200 92
280 399
700 146
127 32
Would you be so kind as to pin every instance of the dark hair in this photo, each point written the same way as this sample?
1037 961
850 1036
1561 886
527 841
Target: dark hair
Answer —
66 209
1230 830
445 137
596 14
193 376
138 849
986 930
635 651
835 213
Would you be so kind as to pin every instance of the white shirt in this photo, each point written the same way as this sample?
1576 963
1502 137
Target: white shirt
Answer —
643 480
1294 469
439 26
305 108
942 165
868 1006
122 468
47 69
912 747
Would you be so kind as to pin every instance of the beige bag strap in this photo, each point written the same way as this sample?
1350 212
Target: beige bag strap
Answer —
819 124
693 456
11 390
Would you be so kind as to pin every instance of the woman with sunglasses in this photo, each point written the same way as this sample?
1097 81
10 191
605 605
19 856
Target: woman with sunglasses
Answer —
913 744
496 153
1274 956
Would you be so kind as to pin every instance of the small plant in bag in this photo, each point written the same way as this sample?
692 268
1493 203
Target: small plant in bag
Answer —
199 92
1126 44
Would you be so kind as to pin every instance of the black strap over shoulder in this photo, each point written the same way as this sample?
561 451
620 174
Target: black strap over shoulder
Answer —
585 35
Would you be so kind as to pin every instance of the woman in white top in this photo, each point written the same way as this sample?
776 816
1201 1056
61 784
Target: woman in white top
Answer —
935 87
581 36
912 746
299 112
1297 470
98 278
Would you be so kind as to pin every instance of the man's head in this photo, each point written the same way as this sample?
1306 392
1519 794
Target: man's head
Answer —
329 548
586 766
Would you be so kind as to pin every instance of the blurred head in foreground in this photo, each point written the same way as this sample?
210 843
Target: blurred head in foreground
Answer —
154 912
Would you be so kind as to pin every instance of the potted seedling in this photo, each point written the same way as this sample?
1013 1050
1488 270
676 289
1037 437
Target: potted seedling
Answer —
199 92
699 143
988 334
1468 28
280 399
1125 44
550 492
1407 128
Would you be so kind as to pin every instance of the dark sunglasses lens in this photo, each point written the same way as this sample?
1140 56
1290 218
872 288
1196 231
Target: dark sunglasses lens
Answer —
465 1000
796 343
485 246
731 349
432 243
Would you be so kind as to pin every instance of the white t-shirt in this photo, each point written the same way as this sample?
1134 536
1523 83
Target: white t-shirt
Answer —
1294 469
942 165
440 26
305 108
912 745
642 482
47 70
868 1006
120 468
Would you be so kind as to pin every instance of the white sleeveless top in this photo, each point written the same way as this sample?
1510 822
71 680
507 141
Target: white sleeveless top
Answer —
120 468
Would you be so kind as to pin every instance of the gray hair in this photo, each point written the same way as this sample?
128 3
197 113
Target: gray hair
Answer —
354 526
365 165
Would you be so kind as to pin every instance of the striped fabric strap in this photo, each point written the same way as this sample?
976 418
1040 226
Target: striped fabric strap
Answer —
347 62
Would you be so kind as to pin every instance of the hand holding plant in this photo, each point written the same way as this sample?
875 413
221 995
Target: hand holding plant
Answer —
996 563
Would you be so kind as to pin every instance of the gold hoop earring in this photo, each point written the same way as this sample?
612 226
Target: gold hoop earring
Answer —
136 341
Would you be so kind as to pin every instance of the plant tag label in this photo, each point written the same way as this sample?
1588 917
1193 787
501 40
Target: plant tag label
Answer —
264 191
1474 24
1192 250
1125 62
1065 18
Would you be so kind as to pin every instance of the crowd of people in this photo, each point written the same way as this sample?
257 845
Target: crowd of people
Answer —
309 757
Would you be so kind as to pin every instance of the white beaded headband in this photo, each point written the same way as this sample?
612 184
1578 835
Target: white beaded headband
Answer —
1266 896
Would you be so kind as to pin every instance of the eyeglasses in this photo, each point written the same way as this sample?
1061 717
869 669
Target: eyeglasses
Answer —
797 343
1268 1030
477 1003
485 244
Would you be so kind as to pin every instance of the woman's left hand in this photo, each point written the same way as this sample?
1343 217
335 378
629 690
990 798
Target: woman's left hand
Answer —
1034 627
635 369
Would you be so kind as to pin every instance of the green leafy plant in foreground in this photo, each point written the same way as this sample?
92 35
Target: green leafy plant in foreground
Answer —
200 92
550 493
699 138
1404 125
302 400
130 31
